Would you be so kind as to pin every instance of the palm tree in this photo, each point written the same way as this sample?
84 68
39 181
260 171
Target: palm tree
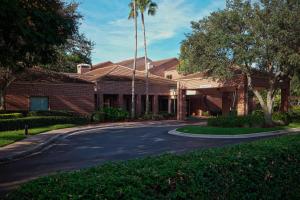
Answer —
150 7
133 14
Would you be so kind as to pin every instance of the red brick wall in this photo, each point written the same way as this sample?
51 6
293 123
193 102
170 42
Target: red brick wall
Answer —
124 87
68 96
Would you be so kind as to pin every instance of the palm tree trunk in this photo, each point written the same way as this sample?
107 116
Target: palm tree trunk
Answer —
146 65
134 63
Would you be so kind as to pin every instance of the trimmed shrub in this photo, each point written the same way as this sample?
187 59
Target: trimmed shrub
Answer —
110 114
265 169
236 121
51 113
98 116
281 118
11 116
294 114
152 116
34 122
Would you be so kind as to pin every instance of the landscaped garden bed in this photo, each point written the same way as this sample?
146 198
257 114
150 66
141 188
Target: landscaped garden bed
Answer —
266 169
238 125
193 129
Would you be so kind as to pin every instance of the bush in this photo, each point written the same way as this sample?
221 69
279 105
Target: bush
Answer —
152 116
98 116
236 121
11 116
110 114
294 114
51 113
265 169
281 118
166 115
34 122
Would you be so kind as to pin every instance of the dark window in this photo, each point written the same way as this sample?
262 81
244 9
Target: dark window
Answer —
39 103
169 76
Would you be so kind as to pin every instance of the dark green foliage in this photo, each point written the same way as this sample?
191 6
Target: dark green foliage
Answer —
256 120
33 122
110 114
247 37
11 115
167 115
295 114
51 113
152 116
267 169
281 118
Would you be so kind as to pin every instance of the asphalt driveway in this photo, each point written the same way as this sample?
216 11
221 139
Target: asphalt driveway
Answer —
98 146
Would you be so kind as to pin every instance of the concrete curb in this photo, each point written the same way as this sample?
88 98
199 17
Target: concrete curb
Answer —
243 136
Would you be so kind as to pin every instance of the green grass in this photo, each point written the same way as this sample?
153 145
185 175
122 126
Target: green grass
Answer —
266 169
231 131
8 137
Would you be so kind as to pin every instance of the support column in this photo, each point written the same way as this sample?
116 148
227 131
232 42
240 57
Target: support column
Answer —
169 105
225 103
285 93
181 104
155 104
242 101
138 105
100 100
121 101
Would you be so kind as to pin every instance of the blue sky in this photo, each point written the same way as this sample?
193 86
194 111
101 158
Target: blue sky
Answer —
105 23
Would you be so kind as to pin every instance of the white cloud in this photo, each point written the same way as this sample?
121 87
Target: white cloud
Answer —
115 40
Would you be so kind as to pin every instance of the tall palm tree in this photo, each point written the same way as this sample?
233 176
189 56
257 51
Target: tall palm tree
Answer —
133 14
150 7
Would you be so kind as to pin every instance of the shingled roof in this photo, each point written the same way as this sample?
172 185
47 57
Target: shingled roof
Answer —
103 64
39 75
160 66
119 72
140 63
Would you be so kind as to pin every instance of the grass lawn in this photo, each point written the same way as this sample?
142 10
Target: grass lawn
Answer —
8 137
231 131
265 169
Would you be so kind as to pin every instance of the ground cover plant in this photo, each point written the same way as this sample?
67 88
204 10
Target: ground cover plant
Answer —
266 169
39 121
194 129
8 137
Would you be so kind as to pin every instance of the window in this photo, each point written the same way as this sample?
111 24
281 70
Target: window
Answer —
169 76
39 103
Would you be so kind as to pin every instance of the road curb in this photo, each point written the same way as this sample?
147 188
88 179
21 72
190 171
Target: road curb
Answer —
243 136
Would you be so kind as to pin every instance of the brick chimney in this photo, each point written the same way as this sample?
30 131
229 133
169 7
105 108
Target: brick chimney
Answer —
83 68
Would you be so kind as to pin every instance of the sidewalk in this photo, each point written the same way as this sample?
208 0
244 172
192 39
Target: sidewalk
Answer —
35 143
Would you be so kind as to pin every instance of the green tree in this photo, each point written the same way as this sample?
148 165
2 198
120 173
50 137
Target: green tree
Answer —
30 32
263 37
150 7
133 12
77 50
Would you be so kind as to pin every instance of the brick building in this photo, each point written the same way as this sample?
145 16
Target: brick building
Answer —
109 84
38 89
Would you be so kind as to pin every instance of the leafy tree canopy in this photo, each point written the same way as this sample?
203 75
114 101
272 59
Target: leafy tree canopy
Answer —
262 36
30 33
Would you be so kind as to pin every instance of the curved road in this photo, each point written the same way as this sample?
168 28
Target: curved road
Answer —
98 146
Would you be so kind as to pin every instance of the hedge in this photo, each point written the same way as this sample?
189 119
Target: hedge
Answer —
266 169
34 122
51 113
11 116
237 121
110 114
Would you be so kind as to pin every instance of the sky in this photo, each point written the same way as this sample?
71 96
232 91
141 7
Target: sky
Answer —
105 22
